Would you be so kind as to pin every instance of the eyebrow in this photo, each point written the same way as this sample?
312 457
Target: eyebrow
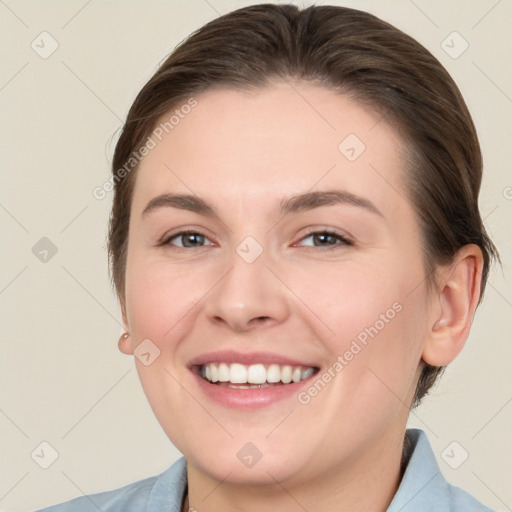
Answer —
297 203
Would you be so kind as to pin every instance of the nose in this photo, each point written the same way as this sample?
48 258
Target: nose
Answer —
248 296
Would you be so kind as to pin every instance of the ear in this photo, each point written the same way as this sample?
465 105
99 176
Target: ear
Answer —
125 344
455 304
124 315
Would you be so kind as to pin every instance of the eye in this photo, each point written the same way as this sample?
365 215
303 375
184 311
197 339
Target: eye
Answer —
193 239
189 239
326 239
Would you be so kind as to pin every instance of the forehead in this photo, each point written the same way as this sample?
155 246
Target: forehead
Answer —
257 145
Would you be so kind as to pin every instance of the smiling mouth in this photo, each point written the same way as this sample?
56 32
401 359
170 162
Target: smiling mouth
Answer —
254 376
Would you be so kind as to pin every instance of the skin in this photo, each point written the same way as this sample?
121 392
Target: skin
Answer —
242 152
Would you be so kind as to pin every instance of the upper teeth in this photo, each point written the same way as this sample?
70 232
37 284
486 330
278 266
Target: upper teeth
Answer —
237 373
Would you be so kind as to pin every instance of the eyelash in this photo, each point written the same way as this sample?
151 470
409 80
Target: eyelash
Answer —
344 241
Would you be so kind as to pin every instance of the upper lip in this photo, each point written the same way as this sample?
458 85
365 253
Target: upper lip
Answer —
248 358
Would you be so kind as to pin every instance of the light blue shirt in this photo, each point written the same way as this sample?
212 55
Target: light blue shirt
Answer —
422 489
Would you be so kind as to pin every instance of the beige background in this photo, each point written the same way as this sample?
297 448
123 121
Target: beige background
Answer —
63 379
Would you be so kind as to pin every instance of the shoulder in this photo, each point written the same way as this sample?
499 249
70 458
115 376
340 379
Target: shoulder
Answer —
131 496
134 497
423 487
463 501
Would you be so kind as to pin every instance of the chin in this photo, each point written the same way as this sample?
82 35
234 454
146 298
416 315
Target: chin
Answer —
246 463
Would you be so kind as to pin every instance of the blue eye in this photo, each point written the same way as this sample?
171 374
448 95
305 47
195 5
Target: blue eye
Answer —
193 239
327 239
189 239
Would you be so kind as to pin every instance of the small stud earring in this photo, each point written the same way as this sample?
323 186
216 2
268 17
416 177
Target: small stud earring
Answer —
441 323
123 337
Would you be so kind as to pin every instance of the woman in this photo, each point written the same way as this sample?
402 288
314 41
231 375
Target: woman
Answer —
297 249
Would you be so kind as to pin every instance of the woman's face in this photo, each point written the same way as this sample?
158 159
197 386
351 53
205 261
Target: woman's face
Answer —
307 259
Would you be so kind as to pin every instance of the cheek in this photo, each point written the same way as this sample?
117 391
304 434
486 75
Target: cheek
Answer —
162 298
376 326
162 304
351 299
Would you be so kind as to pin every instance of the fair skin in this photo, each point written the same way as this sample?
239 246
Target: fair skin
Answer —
304 297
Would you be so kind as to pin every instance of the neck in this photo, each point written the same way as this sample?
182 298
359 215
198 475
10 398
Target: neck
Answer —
367 484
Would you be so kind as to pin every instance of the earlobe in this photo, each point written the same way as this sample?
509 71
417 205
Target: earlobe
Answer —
458 296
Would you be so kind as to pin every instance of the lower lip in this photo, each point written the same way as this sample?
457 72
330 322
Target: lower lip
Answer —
249 398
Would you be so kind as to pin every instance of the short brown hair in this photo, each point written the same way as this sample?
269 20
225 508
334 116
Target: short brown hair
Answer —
349 51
